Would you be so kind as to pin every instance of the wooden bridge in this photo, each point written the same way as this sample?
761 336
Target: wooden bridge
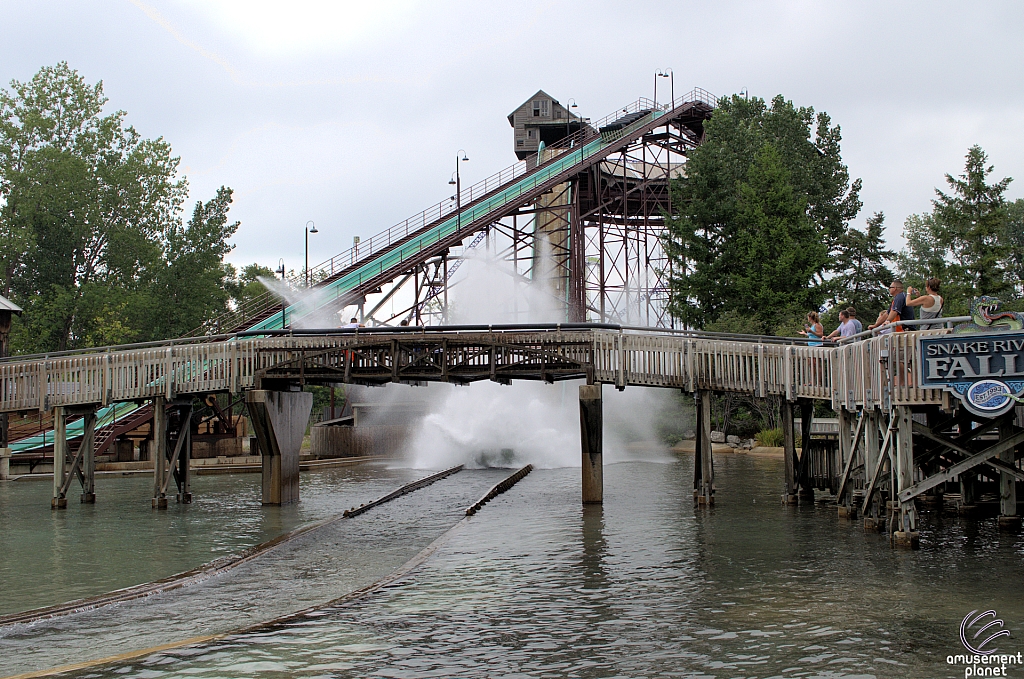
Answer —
872 384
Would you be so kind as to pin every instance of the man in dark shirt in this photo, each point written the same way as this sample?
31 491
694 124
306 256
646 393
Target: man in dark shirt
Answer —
898 310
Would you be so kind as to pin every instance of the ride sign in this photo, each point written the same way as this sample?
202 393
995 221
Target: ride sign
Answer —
985 371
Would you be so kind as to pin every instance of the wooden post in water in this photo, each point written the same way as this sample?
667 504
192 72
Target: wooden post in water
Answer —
789 452
872 449
703 461
1009 519
905 526
159 451
60 456
87 452
591 435
805 492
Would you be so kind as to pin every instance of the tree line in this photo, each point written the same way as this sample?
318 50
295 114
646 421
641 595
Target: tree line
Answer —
761 230
93 243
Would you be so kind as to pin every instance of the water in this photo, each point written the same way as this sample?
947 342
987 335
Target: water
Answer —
49 557
645 586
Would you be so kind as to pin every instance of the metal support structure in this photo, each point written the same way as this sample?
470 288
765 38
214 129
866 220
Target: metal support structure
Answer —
703 461
591 440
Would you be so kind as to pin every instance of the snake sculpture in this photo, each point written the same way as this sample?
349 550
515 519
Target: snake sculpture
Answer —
985 315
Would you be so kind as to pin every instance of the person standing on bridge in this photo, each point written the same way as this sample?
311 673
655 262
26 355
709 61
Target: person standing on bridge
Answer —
846 326
898 310
813 330
853 319
930 302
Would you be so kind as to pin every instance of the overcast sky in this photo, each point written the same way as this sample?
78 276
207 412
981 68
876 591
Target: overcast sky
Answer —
351 113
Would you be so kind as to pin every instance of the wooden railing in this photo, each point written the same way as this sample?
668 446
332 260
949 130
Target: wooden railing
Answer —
877 372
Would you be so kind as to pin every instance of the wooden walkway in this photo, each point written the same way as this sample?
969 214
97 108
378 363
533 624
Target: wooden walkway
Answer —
874 373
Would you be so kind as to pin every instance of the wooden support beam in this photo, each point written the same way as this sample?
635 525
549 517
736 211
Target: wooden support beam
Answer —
883 455
789 452
87 453
60 458
972 460
851 455
805 492
703 463
1008 517
591 440
905 469
159 451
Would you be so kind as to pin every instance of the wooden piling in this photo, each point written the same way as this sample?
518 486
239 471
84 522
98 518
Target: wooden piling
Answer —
159 451
789 452
703 462
60 458
88 455
1009 519
591 435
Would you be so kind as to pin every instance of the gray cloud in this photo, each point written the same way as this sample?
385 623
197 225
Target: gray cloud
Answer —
353 119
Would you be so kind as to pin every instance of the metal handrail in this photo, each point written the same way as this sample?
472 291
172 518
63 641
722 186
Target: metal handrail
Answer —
384 240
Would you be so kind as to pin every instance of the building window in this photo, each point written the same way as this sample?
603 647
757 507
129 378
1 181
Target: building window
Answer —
536 109
530 133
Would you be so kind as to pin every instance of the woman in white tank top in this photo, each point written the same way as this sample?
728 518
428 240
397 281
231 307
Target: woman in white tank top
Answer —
930 303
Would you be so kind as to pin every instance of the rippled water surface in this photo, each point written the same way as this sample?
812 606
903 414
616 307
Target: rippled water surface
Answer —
645 586
56 556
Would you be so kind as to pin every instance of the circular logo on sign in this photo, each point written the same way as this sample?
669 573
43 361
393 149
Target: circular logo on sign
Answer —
988 395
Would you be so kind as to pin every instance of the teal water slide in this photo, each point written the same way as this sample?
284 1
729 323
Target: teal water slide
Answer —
393 259
104 417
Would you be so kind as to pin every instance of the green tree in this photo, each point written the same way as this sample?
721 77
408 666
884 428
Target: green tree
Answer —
778 256
92 244
246 285
192 285
969 241
1013 239
861 270
970 222
704 233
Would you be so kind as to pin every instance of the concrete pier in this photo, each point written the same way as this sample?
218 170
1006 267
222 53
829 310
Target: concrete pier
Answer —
279 421
591 440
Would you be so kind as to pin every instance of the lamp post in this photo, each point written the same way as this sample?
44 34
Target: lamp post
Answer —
457 181
666 73
568 116
308 231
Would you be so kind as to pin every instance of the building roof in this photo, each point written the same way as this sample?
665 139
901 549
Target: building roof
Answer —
8 305
540 93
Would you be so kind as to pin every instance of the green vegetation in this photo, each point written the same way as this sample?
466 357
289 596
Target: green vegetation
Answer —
92 242
973 240
762 216
769 438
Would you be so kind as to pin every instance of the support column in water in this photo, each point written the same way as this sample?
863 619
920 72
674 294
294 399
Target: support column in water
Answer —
703 463
872 449
905 523
1009 519
789 452
159 451
88 454
279 421
591 435
60 456
805 492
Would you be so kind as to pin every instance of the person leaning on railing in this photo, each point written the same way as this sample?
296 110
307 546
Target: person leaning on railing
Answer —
847 328
930 303
898 310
